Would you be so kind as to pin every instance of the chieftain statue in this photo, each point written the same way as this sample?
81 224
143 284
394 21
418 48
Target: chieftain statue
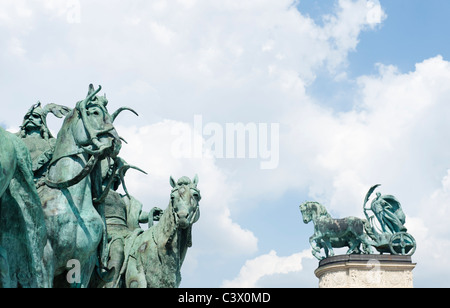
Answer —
37 136
62 221
384 228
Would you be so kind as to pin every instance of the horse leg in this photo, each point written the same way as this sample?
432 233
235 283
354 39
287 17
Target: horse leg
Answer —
357 249
327 252
329 249
116 259
316 253
85 273
353 246
134 277
315 248
49 265
4 269
365 240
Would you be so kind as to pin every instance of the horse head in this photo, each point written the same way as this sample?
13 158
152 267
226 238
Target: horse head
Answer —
311 210
185 199
88 129
160 251
306 213
94 131
92 125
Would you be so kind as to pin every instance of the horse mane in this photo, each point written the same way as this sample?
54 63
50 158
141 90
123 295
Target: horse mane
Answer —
319 209
170 227
65 143
168 224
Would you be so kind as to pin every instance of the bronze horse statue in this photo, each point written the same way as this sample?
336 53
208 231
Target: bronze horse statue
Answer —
156 256
23 236
329 233
72 193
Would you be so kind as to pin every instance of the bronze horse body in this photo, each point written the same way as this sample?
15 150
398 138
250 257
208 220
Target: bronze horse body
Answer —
72 192
329 233
23 235
156 256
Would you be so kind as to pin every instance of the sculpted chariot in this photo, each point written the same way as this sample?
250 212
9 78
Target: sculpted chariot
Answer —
383 228
59 207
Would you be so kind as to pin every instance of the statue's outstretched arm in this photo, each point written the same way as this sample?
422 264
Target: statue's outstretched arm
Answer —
144 217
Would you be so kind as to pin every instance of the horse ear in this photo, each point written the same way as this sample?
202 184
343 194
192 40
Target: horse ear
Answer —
195 181
172 182
91 90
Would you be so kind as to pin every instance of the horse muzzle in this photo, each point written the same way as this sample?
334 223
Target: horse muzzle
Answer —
106 145
187 218
183 219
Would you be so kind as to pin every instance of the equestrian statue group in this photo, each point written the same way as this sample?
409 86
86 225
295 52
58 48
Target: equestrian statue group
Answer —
383 229
63 222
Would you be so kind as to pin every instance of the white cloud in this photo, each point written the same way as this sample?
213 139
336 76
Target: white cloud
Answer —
434 211
23 13
151 148
218 56
266 265
161 33
375 15
431 230
343 28
394 135
173 59
221 51
15 47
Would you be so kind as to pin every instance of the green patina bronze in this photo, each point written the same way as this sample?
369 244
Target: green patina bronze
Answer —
59 203
383 228
155 256
23 233
37 136
75 222
150 258
332 233
59 207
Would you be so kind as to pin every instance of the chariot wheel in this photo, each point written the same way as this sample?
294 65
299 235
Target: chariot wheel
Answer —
402 243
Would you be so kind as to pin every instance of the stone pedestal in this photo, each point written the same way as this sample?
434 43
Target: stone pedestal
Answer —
366 271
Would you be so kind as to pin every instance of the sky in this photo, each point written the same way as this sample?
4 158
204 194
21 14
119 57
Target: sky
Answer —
335 95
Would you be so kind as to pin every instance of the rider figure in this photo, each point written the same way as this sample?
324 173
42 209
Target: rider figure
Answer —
389 214
38 139
124 214
37 136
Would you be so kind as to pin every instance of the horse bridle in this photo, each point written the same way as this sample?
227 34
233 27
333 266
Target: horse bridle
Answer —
95 154
197 205
176 218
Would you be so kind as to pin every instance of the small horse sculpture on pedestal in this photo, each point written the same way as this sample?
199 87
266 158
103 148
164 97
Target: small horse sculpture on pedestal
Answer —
332 233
